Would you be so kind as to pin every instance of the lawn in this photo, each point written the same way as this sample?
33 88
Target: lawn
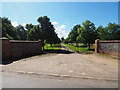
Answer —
80 48
54 47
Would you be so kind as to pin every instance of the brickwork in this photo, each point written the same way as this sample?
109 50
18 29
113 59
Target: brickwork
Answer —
17 49
108 46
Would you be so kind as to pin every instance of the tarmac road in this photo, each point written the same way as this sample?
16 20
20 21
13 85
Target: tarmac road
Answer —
103 71
23 81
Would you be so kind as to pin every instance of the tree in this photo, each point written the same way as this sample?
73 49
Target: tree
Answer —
35 33
114 31
21 32
110 32
8 30
53 37
72 36
102 33
47 31
29 26
62 39
44 24
89 33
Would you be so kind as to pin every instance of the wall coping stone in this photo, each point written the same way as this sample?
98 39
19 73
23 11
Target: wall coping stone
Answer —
110 41
4 38
19 41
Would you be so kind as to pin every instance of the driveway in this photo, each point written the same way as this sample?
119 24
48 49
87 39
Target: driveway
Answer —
72 65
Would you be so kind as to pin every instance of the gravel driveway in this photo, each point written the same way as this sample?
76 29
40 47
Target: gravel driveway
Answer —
72 65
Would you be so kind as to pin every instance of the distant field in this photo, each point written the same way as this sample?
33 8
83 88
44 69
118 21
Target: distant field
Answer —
54 47
80 48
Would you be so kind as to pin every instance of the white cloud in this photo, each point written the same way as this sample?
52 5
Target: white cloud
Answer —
9 18
63 26
55 23
24 24
60 30
15 24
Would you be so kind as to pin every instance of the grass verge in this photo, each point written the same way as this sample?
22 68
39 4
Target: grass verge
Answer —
81 48
54 47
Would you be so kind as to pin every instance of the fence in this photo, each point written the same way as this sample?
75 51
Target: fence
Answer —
18 49
108 46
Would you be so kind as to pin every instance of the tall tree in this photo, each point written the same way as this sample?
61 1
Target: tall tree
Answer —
103 33
72 36
114 31
47 30
89 32
62 39
29 26
110 32
22 33
44 24
35 33
8 30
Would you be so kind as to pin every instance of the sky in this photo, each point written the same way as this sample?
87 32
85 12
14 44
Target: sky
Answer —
63 15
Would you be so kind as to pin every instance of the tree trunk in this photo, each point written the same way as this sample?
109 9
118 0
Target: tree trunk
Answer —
43 44
51 44
76 44
43 47
89 46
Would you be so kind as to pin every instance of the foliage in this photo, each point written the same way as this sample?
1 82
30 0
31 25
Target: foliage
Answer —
87 33
54 47
62 39
47 31
34 33
73 34
21 32
80 48
8 30
111 32
44 31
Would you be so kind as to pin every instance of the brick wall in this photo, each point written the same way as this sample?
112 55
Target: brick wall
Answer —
17 49
108 46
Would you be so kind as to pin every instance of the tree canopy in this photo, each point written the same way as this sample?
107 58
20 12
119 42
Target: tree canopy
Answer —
87 33
44 31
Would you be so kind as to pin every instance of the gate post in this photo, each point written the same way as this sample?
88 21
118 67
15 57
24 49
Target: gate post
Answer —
97 46
5 48
40 43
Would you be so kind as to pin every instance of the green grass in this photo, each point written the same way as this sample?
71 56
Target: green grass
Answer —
54 47
80 48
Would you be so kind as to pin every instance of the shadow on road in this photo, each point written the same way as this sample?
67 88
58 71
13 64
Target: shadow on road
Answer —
11 60
58 51
5 62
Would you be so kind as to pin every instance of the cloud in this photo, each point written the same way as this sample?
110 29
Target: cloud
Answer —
60 30
55 23
15 24
24 24
63 26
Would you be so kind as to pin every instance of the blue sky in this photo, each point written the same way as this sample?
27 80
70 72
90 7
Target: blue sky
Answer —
64 15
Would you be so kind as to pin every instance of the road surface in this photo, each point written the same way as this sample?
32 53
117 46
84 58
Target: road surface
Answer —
23 81
84 70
